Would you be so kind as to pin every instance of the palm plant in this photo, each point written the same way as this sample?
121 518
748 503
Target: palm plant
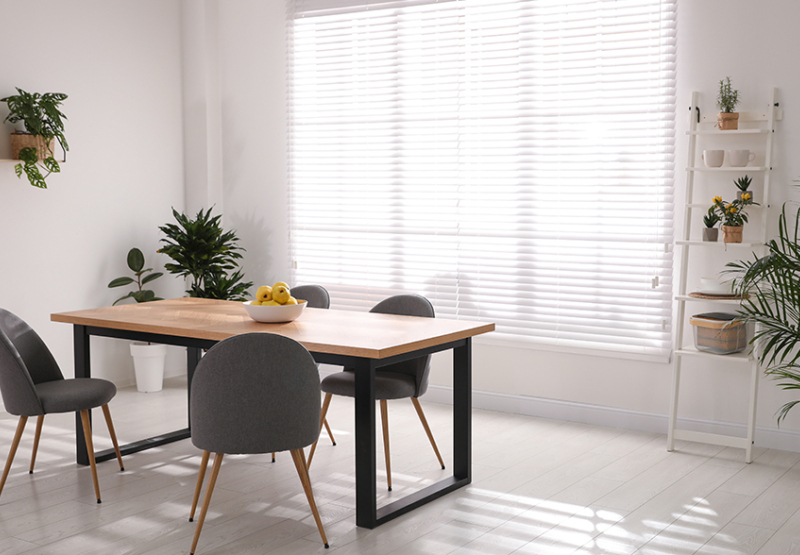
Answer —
773 285
202 250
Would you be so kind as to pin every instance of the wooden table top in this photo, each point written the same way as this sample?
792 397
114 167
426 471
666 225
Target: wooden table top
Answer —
340 332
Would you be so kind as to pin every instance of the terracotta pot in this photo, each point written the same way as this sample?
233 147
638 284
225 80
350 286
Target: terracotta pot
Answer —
21 140
710 234
728 120
732 233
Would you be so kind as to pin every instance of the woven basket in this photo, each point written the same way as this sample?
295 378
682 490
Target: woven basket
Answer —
22 140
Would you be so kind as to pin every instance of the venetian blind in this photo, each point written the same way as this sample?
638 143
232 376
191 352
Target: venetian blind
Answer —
510 160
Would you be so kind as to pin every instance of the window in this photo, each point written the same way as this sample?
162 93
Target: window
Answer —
510 160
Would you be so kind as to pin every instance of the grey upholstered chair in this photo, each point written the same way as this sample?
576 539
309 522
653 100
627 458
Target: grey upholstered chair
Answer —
32 385
254 393
397 381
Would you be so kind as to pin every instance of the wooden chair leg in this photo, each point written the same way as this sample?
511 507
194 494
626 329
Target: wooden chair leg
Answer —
427 429
212 481
113 434
200 477
302 470
325 404
328 429
37 435
385 423
273 457
13 451
87 432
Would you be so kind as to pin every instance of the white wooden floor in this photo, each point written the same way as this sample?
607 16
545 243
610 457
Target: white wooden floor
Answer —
540 486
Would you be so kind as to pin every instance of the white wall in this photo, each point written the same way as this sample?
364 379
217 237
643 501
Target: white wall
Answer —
120 64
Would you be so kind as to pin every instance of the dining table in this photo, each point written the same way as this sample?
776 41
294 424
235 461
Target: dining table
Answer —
363 341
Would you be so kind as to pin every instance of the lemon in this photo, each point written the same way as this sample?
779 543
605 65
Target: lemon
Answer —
264 293
271 303
255 303
281 294
291 300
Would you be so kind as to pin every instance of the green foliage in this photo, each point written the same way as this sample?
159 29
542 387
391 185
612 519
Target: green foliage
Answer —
711 219
727 99
141 277
773 284
743 183
202 250
42 117
732 213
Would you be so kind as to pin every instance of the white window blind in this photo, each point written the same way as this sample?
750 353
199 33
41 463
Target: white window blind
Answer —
510 160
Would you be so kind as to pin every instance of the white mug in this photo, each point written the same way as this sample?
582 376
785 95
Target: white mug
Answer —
740 158
713 158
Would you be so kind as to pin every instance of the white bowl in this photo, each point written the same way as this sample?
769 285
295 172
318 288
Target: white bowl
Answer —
274 314
715 285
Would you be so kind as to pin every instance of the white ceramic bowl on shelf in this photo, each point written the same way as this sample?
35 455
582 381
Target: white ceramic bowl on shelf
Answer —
274 314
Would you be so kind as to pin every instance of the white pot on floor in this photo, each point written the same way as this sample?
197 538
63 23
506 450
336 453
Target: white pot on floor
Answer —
148 362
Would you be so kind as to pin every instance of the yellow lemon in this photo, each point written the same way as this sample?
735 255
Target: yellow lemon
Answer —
255 303
291 300
271 303
281 294
264 293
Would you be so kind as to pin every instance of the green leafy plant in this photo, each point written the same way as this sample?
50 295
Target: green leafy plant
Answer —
203 251
743 183
711 218
727 98
732 213
42 117
141 276
773 285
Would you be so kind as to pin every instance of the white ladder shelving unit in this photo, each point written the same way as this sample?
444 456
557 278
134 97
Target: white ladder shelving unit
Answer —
759 131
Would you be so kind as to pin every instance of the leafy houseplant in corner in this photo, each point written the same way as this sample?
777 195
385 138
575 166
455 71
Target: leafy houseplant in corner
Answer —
727 99
773 284
148 358
43 121
733 216
710 232
204 252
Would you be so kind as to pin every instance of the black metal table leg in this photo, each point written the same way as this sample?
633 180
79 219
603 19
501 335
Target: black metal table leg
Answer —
366 494
462 412
80 339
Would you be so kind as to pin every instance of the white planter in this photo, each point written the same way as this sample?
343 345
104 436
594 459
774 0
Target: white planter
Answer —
148 362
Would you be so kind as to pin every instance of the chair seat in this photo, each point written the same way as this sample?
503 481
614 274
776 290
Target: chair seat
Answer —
388 385
75 394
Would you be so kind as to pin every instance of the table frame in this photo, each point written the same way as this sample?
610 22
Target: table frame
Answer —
368 514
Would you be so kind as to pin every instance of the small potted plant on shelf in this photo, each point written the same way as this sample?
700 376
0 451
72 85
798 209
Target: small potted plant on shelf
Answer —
733 216
201 250
43 124
710 232
148 358
742 184
727 99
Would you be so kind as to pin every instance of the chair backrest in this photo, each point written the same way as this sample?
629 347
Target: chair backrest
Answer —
255 393
409 305
25 360
316 295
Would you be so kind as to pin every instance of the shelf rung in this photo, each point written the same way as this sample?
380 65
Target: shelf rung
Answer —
712 439
736 358
728 169
718 244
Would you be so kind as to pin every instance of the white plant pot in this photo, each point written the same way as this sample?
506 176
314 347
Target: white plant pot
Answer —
148 362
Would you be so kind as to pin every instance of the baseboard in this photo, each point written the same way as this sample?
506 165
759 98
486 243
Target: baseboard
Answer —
773 438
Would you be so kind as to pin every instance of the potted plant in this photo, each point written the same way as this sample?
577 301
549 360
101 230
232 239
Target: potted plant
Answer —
201 250
710 232
773 284
43 124
742 184
733 216
148 358
727 99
